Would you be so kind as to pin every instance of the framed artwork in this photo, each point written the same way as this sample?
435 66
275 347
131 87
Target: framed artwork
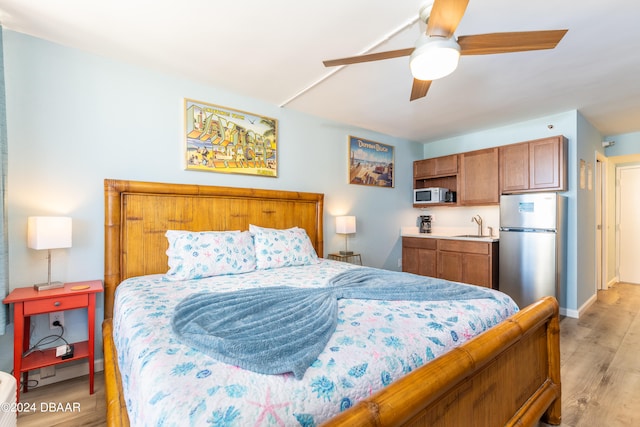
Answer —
221 139
371 163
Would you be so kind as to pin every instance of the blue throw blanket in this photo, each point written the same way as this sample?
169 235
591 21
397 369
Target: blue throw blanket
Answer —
283 329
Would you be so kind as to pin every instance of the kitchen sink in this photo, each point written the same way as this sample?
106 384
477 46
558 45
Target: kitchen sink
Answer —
471 235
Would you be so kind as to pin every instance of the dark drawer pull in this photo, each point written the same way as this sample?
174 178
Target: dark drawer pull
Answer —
57 303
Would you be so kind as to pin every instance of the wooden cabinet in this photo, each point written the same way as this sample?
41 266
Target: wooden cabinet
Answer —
468 262
514 168
547 158
437 172
478 269
450 266
419 256
438 166
479 177
538 165
457 260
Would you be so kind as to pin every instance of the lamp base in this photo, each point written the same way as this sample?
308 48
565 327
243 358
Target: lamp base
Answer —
346 252
47 286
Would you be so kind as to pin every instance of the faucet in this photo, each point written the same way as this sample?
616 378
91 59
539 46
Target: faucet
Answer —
478 220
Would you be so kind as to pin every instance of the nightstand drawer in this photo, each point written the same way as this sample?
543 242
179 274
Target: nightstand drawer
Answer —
55 304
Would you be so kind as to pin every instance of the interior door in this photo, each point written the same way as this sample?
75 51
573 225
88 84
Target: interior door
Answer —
629 224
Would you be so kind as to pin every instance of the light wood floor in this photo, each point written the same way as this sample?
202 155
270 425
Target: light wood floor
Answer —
600 361
75 391
600 358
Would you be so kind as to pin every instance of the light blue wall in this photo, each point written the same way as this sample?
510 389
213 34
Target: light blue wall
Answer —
583 140
628 143
562 124
75 119
590 144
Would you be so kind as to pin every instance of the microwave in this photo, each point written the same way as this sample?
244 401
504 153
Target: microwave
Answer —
424 196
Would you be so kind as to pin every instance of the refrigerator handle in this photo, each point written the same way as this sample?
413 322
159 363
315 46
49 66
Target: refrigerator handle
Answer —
528 230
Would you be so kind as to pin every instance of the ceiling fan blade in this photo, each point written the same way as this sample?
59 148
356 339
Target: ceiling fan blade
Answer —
483 44
419 89
445 16
369 57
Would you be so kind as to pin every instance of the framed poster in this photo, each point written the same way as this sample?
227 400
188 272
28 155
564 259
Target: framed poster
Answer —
370 163
221 139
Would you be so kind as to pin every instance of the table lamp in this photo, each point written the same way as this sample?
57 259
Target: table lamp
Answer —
345 225
48 232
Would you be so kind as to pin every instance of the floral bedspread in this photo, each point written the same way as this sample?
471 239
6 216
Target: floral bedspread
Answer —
167 383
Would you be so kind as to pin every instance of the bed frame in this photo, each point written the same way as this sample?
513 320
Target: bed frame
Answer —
509 375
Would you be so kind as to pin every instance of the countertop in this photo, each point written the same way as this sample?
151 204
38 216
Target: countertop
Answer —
447 233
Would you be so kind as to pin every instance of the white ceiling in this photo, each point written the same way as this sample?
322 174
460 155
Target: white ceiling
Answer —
273 50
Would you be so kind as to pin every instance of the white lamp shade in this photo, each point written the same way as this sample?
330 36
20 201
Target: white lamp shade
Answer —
48 232
434 58
345 224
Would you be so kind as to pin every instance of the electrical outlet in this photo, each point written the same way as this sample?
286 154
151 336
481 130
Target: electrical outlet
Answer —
47 371
399 262
59 316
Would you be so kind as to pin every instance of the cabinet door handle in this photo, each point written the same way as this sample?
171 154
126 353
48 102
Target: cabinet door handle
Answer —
56 304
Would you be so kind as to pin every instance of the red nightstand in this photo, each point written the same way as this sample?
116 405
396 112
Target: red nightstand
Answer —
28 302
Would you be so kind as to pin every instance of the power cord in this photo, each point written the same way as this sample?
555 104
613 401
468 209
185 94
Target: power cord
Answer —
36 347
53 338
31 383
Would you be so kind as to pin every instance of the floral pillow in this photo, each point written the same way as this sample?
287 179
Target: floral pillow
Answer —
194 255
282 248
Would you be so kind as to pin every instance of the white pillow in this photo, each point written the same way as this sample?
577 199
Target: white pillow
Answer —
194 255
282 248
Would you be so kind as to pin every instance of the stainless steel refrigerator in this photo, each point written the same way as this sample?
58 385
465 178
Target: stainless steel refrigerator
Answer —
532 246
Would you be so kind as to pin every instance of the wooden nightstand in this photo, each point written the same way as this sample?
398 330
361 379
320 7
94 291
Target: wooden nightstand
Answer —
352 258
28 302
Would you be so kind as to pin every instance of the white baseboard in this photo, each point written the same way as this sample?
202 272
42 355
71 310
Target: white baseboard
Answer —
65 372
587 304
569 313
612 282
577 313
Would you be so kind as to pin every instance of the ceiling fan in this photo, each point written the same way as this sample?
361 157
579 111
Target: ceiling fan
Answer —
437 51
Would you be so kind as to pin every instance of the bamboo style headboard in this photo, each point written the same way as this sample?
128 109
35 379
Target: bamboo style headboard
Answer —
138 214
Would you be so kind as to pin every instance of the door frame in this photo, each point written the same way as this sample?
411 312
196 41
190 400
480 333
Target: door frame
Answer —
601 206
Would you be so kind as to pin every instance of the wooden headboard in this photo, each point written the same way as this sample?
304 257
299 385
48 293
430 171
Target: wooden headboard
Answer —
138 214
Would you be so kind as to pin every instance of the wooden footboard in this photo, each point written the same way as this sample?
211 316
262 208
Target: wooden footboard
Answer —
509 375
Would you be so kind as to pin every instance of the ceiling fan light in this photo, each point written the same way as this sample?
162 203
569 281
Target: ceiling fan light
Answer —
436 58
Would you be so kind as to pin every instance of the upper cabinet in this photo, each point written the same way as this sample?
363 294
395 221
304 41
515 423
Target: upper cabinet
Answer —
547 164
436 172
514 168
538 165
438 166
479 177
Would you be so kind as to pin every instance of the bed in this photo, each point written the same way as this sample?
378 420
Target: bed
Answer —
508 375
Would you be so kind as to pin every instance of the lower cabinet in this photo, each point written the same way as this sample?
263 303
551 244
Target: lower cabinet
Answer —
419 256
457 260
